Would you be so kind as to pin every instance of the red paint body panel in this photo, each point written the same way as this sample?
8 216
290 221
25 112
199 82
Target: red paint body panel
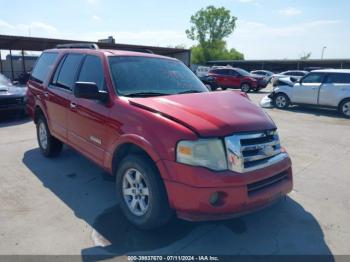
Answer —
156 125
233 81
211 114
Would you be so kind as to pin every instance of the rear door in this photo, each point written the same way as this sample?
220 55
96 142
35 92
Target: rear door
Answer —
87 129
306 92
335 88
60 94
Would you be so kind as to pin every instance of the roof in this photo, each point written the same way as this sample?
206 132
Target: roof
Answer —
278 60
347 71
40 44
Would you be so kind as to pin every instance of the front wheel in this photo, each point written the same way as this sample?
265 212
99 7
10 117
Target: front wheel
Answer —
49 145
245 87
281 101
344 108
141 191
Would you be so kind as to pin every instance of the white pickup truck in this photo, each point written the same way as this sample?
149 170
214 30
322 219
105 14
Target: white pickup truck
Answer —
325 88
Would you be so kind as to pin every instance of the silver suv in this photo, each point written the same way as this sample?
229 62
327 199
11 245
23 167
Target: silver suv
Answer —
326 88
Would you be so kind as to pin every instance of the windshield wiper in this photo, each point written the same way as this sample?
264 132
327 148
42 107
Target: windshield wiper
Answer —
146 94
190 91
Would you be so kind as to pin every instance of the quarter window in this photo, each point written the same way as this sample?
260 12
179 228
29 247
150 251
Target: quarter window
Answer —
43 67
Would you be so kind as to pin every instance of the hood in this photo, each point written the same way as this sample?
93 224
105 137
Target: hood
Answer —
211 113
257 77
9 90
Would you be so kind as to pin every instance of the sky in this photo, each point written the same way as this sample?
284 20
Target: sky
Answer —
269 29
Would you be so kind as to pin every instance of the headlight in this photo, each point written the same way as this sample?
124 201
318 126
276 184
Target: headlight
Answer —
208 153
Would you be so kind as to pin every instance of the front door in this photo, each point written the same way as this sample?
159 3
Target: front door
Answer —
87 119
234 79
306 91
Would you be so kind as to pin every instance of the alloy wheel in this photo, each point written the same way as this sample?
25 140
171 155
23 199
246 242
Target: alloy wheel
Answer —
346 108
42 135
281 101
135 192
245 88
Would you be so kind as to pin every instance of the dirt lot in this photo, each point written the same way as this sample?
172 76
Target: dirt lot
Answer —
67 205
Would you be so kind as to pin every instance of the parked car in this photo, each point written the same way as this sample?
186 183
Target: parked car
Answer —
296 74
264 73
209 82
202 71
12 97
173 146
326 88
229 77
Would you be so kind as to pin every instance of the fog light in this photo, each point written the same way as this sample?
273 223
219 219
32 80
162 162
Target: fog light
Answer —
217 199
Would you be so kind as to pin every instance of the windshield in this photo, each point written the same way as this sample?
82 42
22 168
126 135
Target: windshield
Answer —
145 76
242 72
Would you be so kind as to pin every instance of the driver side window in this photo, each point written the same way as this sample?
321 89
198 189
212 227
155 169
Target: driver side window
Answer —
313 79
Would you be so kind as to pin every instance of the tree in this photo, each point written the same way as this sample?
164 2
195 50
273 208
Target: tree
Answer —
305 56
210 26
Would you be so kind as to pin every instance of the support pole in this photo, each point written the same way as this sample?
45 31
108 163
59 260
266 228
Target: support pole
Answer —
12 74
23 63
0 63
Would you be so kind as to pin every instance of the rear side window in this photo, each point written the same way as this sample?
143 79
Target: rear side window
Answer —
65 76
92 71
43 67
340 78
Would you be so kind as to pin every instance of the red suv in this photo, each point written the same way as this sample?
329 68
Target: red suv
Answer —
174 147
229 77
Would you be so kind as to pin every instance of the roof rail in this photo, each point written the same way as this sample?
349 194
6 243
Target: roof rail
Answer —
78 45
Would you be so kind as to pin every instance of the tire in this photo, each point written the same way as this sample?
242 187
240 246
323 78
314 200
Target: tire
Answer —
245 87
143 201
223 88
210 87
49 145
344 108
281 101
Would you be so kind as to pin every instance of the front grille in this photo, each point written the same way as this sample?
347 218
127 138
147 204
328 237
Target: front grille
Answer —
247 152
263 184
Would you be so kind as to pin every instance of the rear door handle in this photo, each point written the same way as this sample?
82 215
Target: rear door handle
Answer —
73 105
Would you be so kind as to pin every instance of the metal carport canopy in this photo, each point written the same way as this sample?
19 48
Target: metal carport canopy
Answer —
10 42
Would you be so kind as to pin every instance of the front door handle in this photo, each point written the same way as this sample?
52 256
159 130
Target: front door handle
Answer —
73 105
46 94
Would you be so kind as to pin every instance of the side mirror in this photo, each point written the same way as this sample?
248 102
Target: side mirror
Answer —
89 90
294 79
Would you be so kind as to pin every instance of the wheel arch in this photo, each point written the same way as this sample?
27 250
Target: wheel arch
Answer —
134 144
341 101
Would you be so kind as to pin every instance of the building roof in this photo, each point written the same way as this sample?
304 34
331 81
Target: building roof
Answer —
40 44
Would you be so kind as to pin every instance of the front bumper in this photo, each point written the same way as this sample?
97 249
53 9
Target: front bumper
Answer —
12 104
191 192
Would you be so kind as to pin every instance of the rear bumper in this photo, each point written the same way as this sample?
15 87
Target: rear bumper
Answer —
238 192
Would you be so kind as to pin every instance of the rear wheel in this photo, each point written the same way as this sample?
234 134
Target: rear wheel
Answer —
344 108
141 192
49 145
245 87
281 101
